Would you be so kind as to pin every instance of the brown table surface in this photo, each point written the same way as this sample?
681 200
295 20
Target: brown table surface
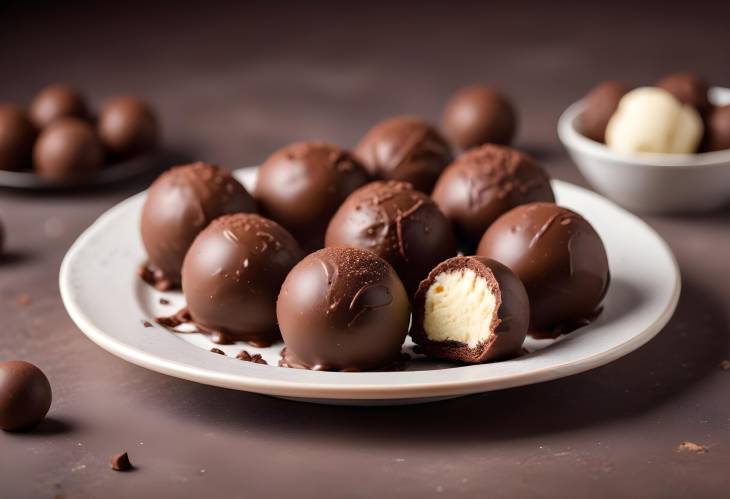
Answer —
233 82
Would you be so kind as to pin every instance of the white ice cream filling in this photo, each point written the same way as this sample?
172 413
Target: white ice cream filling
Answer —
460 306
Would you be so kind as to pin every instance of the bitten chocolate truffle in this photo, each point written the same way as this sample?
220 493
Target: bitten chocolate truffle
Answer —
179 204
342 309
55 102
560 259
302 185
485 182
399 224
68 149
16 138
25 395
717 130
127 127
599 105
477 115
232 275
406 149
688 88
471 309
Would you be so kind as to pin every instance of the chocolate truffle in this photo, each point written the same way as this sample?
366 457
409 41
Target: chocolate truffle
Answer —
232 275
342 309
485 182
471 309
717 131
406 149
25 395
688 88
598 107
127 127
399 224
179 204
477 115
302 185
55 102
68 149
560 259
16 138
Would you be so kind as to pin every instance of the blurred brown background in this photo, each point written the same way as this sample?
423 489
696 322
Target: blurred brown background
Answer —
234 81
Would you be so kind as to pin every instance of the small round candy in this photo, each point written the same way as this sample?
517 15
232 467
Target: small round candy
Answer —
68 149
478 115
599 105
688 88
16 138
717 130
127 127
25 395
55 102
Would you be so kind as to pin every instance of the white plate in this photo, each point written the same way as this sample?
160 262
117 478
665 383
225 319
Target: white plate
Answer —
109 303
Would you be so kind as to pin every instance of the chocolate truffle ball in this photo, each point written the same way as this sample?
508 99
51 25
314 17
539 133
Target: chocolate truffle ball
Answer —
688 88
16 138
477 115
485 182
302 185
717 130
399 224
127 127
406 149
232 275
342 309
471 309
179 204
55 102
598 107
25 395
68 149
560 259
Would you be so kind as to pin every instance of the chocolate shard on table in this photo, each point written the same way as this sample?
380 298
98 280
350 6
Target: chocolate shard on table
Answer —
68 150
301 186
121 462
688 88
407 149
180 204
471 309
232 275
484 183
599 105
17 135
559 258
717 131
55 102
342 309
128 127
25 395
479 115
398 223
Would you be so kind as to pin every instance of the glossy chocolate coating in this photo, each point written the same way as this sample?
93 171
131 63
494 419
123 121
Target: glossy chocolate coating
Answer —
232 275
399 224
16 138
478 115
25 395
181 203
68 149
302 185
342 309
407 149
688 88
599 105
509 328
560 259
717 129
128 127
485 182
55 102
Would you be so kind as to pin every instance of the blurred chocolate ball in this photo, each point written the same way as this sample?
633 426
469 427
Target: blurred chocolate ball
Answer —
688 88
717 129
599 105
16 138
477 115
127 127
25 395
68 149
55 102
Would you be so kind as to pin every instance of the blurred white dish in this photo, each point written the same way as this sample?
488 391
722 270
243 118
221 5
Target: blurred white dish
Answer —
651 183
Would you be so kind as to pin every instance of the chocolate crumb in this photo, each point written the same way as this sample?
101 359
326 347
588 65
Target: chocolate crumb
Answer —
164 301
23 300
255 358
120 462
147 324
692 447
218 351
725 365
173 321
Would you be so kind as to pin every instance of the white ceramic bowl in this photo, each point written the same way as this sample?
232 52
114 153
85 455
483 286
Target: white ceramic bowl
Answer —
651 183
